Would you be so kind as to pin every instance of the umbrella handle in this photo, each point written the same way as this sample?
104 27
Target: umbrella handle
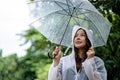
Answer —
53 55
49 55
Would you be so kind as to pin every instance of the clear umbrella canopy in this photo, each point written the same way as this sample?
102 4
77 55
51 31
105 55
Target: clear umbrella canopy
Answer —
56 18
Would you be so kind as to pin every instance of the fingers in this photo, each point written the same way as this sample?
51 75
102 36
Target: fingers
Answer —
57 52
90 52
91 49
57 49
56 55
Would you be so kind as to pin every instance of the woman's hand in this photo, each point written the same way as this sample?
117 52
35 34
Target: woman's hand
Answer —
90 53
57 55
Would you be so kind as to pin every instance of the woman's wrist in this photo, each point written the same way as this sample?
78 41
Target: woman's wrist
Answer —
55 62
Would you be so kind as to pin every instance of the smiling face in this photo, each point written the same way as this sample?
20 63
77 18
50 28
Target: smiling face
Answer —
80 39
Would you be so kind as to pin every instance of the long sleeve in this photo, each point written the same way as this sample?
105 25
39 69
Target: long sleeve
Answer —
95 69
52 75
55 73
100 69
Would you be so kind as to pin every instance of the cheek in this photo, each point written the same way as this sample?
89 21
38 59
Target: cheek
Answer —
74 41
84 40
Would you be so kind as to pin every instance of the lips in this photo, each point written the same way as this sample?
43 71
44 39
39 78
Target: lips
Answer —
78 42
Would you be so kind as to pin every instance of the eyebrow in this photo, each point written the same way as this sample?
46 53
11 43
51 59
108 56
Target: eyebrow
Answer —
81 33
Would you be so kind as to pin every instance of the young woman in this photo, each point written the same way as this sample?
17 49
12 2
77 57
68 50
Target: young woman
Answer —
81 64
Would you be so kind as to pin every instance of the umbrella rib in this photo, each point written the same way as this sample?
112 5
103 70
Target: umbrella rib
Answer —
71 3
54 2
81 13
50 14
89 11
61 7
65 30
79 5
62 13
85 9
68 15
47 15
82 19
79 17
66 26
68 6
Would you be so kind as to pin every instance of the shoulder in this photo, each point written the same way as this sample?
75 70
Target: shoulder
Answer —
98 61
96 58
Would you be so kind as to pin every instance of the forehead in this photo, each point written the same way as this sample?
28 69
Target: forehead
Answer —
80 31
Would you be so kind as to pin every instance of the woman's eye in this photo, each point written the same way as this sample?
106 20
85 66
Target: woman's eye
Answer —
76 35
83 35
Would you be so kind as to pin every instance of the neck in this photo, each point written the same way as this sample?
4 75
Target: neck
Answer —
81 52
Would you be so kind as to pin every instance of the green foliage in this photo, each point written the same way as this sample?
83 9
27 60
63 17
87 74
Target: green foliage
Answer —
0 52
107 6
37 58
8 68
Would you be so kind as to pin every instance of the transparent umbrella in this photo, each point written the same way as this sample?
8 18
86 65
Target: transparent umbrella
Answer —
56 18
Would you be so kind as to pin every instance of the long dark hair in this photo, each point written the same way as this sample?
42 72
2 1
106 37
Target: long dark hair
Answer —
84 55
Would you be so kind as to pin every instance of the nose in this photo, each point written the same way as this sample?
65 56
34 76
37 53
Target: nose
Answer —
78 38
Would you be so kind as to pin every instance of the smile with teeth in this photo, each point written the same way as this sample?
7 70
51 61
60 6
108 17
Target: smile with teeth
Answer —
78 42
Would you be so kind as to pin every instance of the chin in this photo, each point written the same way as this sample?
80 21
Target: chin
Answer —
79 46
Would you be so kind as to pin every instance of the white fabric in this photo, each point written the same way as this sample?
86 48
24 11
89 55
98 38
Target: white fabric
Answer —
52 72
94 68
